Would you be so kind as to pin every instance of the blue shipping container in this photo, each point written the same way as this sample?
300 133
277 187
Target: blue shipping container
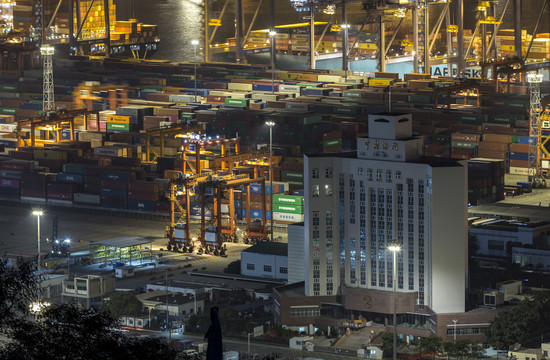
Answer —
257 214
116 176
141 205
116 193
519 156
526 140
70 178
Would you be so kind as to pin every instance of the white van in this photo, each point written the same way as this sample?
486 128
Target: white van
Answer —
190 353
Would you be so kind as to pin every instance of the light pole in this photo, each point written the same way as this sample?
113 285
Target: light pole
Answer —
195 43
394 248
454 333
271 124
38 214
248 353
167 316
272 33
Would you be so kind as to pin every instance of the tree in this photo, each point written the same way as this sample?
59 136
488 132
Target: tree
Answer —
123 303
18 287
68 332
522 324
428 345
387 344
233 267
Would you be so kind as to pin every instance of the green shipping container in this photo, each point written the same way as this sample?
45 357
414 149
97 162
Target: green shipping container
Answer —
464 144
284 208
8 111
118 126
292 176
237 102
9 87
311 119
472 118
345 110
331 143
185 116
288 200
352 93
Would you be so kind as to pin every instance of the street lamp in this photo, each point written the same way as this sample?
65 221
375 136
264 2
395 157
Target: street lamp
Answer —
38 214
272 33
167 314
271 124
454 334
394 248
195 43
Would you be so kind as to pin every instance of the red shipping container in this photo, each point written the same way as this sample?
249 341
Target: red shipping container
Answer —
115 185
147 196
107 200
144 186
38 193
9 183
60 196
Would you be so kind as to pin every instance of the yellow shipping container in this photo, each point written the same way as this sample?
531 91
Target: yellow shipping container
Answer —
121 119
378 82
368 46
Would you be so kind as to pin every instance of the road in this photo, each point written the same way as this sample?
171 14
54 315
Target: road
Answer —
260 348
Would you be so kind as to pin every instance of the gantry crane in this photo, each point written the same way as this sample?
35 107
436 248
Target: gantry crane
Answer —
535 165
462 85
54 121
211 235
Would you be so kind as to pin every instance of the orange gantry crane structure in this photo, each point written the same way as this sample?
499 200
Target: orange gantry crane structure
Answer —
211 189
52 122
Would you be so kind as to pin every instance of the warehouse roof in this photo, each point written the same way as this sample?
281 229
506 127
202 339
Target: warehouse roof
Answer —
509 210
269 248
123 242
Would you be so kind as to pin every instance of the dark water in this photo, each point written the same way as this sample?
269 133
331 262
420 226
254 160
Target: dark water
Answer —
181 21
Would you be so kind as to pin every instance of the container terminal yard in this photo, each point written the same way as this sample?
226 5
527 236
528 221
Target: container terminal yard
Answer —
217 147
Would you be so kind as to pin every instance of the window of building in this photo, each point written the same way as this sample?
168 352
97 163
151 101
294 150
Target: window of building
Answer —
388 176
369 174
360 171
328 190
328 172
250 267
315 173
398 174
315 191
378 175
283 270
267 268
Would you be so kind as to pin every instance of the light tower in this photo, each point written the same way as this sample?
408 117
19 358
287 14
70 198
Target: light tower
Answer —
46 51
534 169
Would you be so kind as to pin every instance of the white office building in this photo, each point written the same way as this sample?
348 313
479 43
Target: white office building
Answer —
357 205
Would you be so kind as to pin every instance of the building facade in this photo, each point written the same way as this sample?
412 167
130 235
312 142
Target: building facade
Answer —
358 205
265 259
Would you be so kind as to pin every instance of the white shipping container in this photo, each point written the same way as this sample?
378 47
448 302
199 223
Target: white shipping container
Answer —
225 208
179 233
289 88
545 164
184 98
239 86
240 95
329 78
90 136
104 114
110 151
83 198
60 202
519 170
210 236
8 128
279 216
